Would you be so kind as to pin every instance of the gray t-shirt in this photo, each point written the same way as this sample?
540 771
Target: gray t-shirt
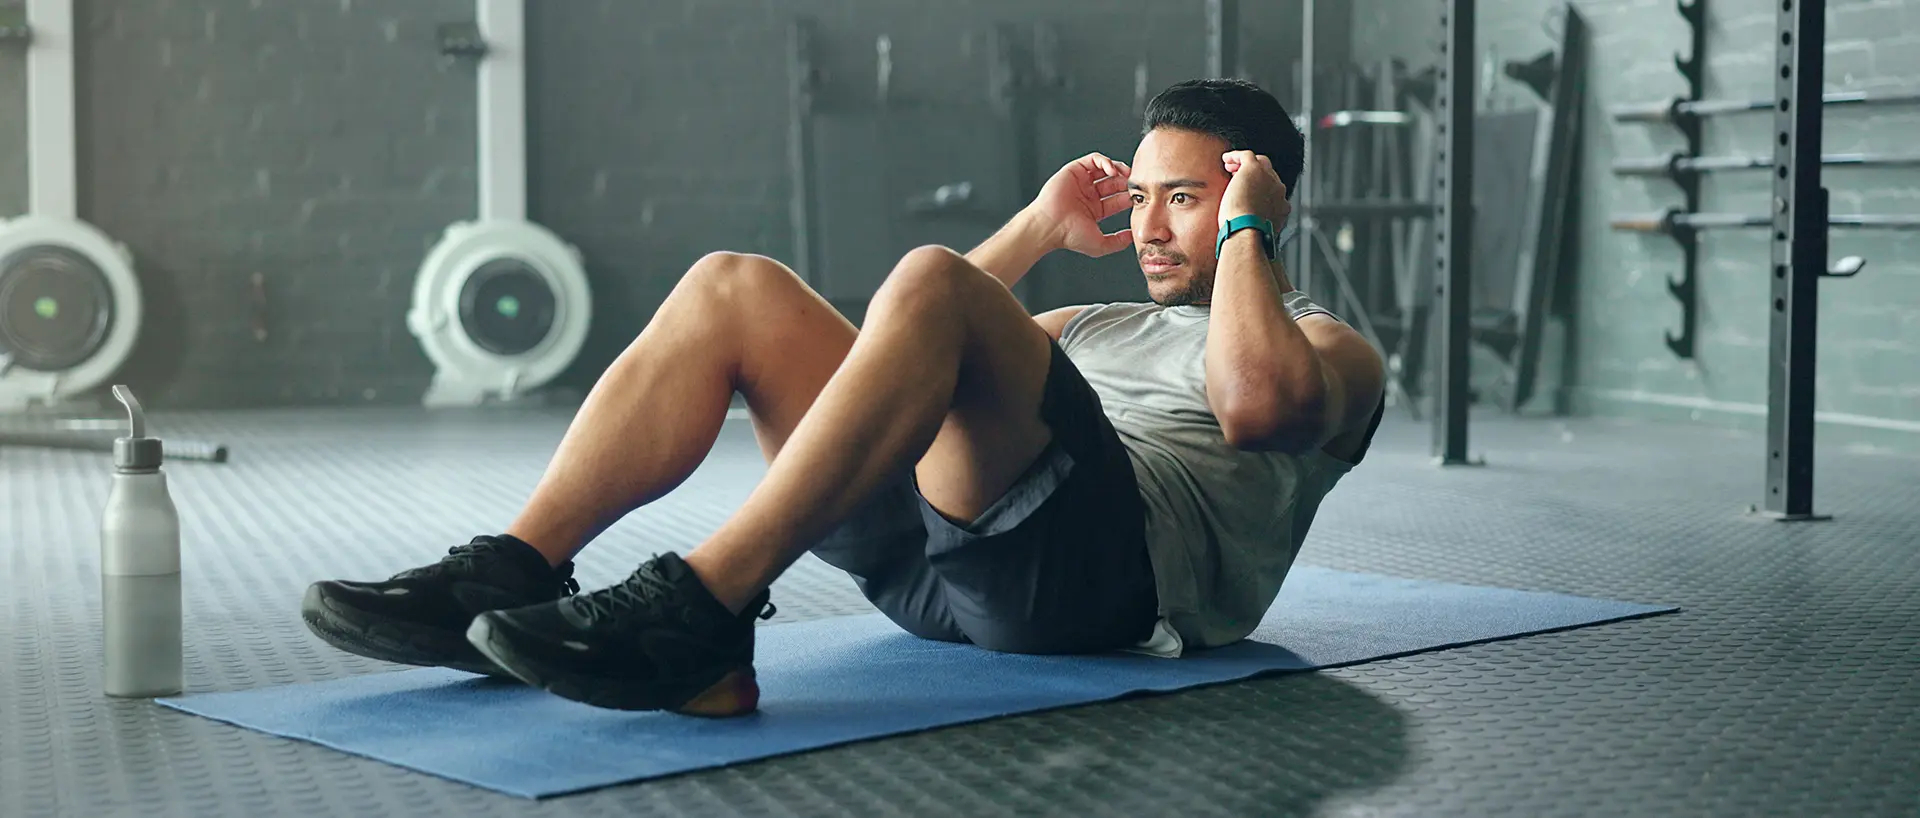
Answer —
1223 525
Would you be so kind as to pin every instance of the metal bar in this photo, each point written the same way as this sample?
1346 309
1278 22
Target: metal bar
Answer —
1343 119
52 183
1799 259
1701 221
1673 109
1302 274
1889 222
1400 242
802 85
1666 222
174 450
1223 38
1420 250
1671 164
501 106
1453 240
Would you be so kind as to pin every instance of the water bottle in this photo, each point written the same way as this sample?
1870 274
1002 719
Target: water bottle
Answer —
140 569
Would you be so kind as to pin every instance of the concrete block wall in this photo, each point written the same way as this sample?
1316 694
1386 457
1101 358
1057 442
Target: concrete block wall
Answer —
13 134
279 168
1869 334
320 146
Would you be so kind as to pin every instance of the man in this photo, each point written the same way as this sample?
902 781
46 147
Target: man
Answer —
1120 476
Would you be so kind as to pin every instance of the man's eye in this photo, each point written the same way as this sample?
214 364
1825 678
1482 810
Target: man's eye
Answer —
1139 199
1179 198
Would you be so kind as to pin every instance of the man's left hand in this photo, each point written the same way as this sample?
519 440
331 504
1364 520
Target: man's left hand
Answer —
1254 189
1072 203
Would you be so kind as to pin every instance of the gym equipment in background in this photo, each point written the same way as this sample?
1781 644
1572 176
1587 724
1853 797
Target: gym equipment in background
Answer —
1678 164
1440 301
1680 110
1674 219
1559 78
1686 168
70 304
500 305
1800 220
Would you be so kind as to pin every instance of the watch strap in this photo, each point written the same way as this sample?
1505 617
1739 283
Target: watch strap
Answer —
1247 222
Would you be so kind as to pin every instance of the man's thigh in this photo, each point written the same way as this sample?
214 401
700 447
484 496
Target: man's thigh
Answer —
1058 563
994 430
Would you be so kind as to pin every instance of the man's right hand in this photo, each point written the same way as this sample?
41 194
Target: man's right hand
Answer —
1072 203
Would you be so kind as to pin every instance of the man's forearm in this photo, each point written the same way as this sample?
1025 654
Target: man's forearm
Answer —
1013 250
1263 375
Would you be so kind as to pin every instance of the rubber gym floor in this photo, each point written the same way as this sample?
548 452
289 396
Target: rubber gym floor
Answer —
1785 686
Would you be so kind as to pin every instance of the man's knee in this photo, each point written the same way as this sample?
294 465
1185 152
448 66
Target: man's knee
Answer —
931 256
929 275
738 278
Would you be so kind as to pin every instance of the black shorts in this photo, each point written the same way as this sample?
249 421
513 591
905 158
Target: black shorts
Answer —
1057 565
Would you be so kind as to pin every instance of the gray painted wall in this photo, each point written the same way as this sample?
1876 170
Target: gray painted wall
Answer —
1869 339
322 146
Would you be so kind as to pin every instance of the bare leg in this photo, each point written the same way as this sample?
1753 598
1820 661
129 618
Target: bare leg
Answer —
734 323
947 374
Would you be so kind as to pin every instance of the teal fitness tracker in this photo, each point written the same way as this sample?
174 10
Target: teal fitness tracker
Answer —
1239 223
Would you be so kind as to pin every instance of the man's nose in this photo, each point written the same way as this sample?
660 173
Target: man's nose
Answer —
1153 227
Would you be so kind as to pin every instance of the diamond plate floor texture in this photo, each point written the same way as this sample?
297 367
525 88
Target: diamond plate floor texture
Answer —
1786 686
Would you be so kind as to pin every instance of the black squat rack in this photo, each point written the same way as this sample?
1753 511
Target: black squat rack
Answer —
1799 218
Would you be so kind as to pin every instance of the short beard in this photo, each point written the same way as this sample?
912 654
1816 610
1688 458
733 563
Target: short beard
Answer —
1199 291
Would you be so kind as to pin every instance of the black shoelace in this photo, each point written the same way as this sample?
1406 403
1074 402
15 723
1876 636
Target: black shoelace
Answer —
648 591
644 590
463 558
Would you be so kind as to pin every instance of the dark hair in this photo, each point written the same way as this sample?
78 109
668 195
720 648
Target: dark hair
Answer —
1239 112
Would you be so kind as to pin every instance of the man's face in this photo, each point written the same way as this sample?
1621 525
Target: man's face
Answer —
1177 180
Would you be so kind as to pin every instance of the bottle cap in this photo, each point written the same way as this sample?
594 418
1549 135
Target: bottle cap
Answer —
136 450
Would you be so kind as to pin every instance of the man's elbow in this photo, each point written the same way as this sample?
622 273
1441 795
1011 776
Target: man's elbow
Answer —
1288 429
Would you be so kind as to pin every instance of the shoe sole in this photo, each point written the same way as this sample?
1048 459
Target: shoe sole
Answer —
736 694
374 637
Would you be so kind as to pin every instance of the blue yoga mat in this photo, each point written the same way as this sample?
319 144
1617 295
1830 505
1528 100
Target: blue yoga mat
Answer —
835 681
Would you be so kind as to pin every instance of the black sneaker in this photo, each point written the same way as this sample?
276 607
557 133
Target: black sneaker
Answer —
657 641
420 616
